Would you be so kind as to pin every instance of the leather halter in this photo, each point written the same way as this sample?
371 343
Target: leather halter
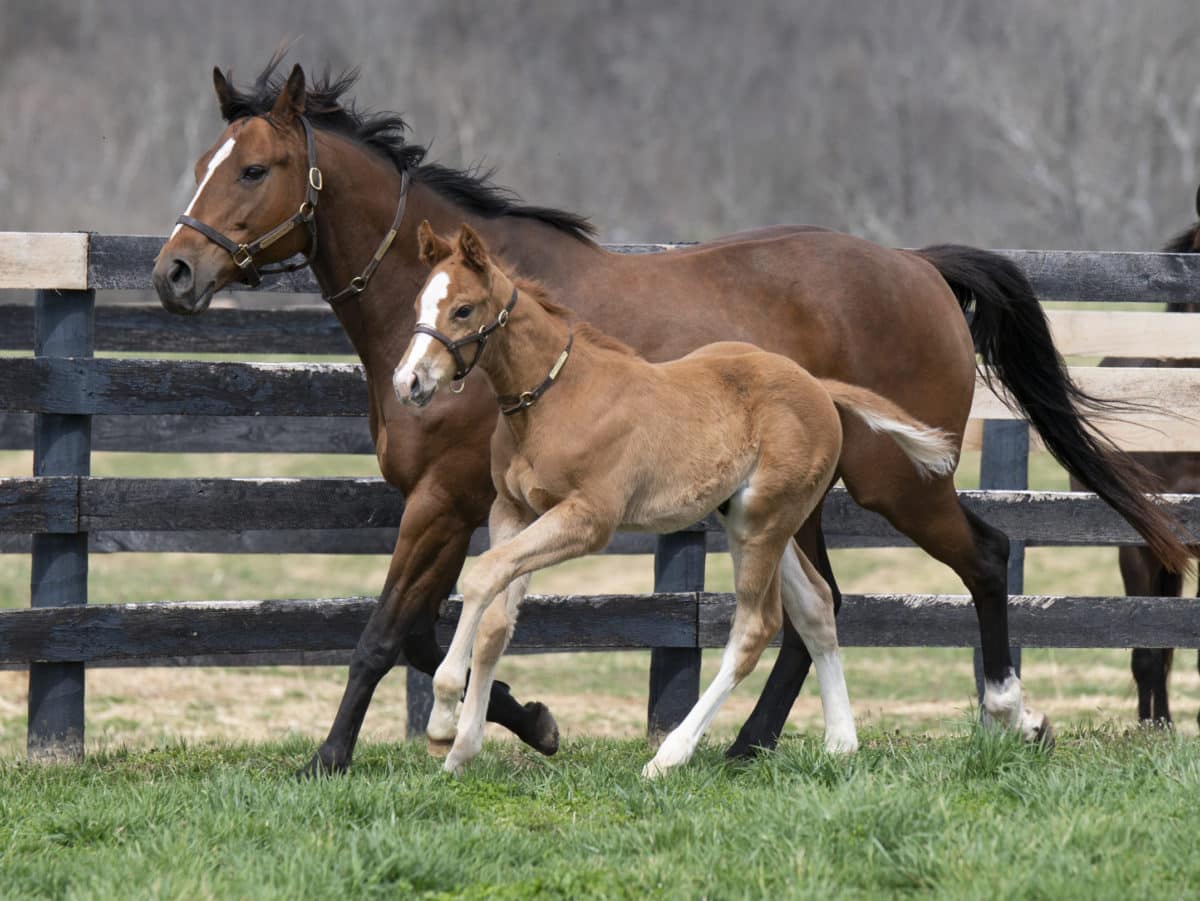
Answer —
244 254
478 338
509 403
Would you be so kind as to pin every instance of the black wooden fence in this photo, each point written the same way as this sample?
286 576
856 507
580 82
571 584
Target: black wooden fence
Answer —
64 402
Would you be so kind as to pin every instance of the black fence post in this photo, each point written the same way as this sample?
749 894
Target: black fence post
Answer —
1004 465
63 327
675 672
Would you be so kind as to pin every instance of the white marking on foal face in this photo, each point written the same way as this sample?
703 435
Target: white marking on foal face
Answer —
435 292
217 158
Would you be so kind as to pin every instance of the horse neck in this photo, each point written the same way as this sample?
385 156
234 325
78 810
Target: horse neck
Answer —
519 356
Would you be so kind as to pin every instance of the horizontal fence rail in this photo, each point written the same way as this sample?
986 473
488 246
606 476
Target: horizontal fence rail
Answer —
189 631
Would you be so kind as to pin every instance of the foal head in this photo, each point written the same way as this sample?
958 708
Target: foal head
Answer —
459 306
251 180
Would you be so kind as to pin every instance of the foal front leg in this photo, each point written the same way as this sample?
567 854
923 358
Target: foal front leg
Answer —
570 529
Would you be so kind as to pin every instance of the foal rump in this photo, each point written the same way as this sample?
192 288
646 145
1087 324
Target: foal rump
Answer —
931 450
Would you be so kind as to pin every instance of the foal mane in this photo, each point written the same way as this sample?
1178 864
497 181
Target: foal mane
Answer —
583 330
330 109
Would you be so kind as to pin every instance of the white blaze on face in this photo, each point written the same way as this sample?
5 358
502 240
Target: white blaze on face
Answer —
435 292
217 158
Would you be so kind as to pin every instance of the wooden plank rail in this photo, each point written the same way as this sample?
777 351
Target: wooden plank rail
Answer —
199 629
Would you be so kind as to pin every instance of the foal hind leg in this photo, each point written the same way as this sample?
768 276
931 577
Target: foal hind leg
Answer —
765 724
1143 575
808 603
755 621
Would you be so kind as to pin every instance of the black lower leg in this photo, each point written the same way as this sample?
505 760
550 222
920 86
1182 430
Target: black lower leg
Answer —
765 724
989 592
532 722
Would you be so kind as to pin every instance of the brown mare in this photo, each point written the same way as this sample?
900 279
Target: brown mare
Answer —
1142 572
622 444
887 320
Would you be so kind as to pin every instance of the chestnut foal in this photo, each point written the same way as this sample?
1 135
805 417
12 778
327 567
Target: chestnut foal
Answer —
596 439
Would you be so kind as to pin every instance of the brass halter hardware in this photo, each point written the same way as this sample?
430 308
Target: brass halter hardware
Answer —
243 254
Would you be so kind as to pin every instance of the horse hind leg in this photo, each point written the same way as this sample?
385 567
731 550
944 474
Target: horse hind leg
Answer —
1143 575
765 724
808 603
755 621
931 514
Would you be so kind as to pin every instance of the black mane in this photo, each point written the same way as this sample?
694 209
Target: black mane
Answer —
328 108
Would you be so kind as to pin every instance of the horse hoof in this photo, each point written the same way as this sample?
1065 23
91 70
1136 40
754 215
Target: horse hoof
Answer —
543 736
438 748
317 768
1044 735
745 749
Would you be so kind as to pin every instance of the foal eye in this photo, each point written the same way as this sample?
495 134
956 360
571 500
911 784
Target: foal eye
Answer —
253 173
463 312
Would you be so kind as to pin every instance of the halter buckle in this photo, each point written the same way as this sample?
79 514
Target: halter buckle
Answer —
461 383
315 179
502 319
527 398
242 257
306 210
358 284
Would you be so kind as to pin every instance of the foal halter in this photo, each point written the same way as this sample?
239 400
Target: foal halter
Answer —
244 254
479 339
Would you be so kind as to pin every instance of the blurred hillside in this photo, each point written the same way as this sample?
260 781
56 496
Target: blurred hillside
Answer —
1018 124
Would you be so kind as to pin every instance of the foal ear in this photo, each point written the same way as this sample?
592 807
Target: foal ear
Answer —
224 94
470 245
430 248
292 99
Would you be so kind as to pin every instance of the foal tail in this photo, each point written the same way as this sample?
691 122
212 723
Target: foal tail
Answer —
931 450
1013 341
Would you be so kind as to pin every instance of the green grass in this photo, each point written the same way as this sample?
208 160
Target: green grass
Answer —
975 814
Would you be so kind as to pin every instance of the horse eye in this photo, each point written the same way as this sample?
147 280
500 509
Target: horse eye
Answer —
463 312
253 173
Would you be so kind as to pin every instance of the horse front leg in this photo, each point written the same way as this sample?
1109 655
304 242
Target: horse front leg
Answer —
429 553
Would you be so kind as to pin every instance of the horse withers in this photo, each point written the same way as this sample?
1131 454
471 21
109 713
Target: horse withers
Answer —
594 439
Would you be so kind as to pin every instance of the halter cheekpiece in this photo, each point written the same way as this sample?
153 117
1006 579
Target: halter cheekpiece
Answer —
244 254
509 403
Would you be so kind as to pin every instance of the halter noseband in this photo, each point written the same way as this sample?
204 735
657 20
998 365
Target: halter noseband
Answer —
478 338
244 254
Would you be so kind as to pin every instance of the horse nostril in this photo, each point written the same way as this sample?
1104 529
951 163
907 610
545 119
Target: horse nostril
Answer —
414 388
180 275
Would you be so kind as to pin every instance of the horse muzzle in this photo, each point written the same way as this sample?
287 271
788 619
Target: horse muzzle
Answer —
181 288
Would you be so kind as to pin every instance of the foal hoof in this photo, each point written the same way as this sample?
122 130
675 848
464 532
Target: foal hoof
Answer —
438 748
542 736
1044 734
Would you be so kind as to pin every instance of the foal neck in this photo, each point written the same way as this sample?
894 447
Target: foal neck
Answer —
520 355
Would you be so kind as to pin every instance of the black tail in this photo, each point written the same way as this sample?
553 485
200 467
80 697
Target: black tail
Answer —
1013 338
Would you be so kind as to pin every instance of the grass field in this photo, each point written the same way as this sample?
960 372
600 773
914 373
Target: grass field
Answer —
972 814
186 791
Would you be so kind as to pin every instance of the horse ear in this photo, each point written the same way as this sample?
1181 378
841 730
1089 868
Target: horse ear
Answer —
470 245
292 99
430 248
224 94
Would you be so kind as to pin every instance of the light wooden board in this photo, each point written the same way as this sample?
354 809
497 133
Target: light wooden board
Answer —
1118 333
56 260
